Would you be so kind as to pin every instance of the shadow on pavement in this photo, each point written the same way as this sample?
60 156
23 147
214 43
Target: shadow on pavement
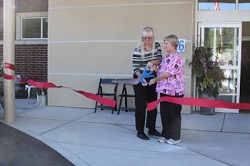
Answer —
20 149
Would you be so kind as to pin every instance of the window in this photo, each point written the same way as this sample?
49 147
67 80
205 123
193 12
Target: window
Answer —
212 5
34 28
244 4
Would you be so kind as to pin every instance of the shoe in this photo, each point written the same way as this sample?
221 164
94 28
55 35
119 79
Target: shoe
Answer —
173 142
162 140
154 132
142 136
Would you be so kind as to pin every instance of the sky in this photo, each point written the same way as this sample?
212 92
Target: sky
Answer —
224 6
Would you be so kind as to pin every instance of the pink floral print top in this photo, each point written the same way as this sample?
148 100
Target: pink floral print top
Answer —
174 85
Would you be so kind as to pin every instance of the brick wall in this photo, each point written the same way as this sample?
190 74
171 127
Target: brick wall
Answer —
30 60
31 5
24 6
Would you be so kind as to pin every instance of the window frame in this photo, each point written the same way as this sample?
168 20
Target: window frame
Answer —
30 15
236 2
41 29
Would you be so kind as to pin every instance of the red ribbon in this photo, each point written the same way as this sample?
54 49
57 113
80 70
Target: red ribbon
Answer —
45 85
199 102
183 101
9 66
9 77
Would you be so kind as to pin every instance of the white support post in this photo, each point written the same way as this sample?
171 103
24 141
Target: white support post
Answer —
9 57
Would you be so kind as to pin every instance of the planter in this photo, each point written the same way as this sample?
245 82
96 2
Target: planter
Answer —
41 100
207 110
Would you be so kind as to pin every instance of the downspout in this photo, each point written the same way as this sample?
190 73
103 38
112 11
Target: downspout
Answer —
9 57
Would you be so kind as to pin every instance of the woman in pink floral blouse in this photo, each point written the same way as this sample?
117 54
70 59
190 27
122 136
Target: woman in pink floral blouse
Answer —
170 82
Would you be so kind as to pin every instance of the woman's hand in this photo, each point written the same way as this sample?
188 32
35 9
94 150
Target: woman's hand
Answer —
150 64
152 81
155 68
144 83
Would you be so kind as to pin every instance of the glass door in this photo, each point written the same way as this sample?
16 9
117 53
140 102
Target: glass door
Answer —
225 41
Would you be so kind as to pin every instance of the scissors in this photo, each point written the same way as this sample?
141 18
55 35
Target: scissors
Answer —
147 73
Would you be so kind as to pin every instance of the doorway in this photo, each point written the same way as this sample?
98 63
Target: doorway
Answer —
225 41
245 73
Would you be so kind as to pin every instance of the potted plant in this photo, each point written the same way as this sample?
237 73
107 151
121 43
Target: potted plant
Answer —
208 75
40 96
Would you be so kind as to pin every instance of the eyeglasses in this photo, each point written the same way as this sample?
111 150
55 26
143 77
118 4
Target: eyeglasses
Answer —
147 38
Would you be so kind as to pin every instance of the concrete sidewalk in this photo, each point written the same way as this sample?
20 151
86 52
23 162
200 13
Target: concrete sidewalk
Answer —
96 139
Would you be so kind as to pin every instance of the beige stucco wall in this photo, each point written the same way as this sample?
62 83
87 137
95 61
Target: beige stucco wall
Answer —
95 38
